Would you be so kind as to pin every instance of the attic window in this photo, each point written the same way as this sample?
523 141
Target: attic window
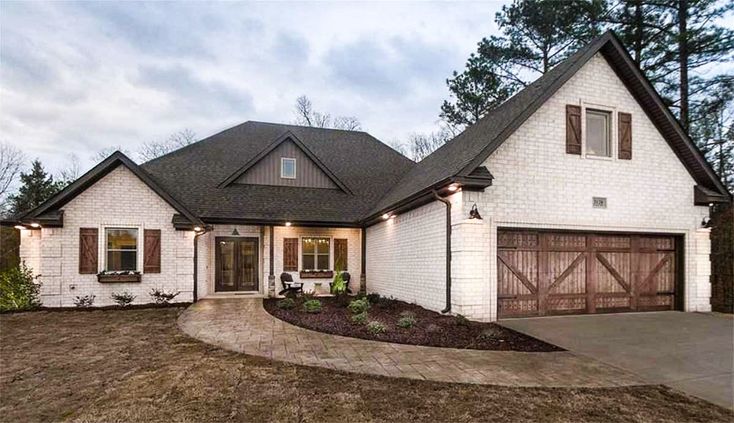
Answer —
287 168
598 133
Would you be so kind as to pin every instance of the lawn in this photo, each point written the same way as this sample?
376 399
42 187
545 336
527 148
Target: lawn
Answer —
134 365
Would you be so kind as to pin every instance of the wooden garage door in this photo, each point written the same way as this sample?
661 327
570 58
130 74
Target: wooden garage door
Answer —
549 273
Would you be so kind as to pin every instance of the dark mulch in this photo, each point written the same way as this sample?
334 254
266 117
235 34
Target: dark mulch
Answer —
431 328
136 366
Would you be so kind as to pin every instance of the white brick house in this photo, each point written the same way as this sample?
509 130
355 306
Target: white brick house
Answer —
581 194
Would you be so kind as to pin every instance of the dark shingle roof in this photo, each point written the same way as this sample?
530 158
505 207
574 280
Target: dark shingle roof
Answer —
365 165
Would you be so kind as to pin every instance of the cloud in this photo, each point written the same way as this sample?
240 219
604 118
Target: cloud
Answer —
188 91
88 75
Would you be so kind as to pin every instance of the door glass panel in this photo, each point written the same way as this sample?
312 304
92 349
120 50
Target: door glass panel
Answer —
227 265
248 263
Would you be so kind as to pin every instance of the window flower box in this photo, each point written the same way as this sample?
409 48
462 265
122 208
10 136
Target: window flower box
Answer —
314 274
118 277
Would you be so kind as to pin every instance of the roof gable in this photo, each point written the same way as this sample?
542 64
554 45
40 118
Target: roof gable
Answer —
467 151
95 174
256 171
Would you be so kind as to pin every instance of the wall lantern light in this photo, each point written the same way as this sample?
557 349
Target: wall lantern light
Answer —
474 212
235 233
287 223
385 216
35 225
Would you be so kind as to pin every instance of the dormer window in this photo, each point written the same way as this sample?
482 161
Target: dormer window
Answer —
287 168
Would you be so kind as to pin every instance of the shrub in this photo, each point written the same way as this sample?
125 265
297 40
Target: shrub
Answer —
373 298
461 321
360 318
374 327
161 296
358 306
407 313
286 303
406 322
343 299
123 299
489 334
18 290
338 286
386 303
83 301
312 306
309 295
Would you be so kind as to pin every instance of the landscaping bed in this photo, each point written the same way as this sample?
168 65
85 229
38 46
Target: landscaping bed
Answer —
428 327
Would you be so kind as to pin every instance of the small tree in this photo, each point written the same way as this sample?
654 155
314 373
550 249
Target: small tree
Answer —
18 289
37 187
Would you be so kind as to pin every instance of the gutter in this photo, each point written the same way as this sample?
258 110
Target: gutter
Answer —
448 250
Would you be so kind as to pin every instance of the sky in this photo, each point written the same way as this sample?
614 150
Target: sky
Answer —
76 78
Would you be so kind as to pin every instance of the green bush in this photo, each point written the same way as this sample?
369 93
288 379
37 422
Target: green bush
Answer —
312 306
161 296
360 318
373 298
358 306
490 333
461 321
84 301
374 327
286 303
18 290
407 313
406 322
123 299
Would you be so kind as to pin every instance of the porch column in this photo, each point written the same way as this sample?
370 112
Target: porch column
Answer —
271 260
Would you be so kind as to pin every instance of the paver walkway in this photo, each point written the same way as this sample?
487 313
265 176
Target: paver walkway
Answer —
243 325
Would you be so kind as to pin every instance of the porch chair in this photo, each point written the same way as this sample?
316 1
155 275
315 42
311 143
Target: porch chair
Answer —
347 277
286 279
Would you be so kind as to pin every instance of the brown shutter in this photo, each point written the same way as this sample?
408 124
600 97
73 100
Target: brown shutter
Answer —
625 136
573 129
152 251
340 253
290 254
88 250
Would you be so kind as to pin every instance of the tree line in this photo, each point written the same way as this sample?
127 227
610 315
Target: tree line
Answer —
678 44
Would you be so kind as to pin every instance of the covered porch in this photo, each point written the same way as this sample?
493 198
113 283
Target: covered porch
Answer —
248 260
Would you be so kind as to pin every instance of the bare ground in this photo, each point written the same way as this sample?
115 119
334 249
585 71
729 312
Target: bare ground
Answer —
134 365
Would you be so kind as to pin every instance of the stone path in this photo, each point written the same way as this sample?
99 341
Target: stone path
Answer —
244 326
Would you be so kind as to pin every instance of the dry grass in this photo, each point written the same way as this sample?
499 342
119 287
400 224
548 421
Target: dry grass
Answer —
134 365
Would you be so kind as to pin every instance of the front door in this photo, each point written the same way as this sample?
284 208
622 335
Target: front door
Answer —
236 261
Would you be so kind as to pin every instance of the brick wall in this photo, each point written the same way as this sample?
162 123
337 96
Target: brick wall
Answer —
538 185
119 199
354 255
406 256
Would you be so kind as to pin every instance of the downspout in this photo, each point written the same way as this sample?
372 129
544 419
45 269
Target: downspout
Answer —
448 250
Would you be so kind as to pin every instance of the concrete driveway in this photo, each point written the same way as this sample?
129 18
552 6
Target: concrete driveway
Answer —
691 352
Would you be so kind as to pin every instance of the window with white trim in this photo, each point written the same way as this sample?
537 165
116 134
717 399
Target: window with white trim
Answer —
287 168
121 249
315 253
598 133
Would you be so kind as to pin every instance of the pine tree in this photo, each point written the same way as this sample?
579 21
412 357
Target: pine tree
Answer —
536 35
37 187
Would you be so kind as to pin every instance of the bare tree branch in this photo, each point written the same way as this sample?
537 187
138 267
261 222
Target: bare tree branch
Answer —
11 163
